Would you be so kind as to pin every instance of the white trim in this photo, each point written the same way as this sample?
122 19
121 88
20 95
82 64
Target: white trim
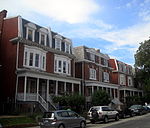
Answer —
49 77
35 51
50 37
92 74
19 26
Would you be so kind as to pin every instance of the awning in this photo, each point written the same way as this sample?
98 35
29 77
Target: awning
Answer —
116 101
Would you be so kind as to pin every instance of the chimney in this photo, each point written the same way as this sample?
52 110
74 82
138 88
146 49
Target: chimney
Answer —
2 16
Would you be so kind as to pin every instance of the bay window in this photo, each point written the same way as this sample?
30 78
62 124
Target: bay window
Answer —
62 65
34 58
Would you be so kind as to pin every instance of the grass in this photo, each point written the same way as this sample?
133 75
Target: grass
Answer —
16 121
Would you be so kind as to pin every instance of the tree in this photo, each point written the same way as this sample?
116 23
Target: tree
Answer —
75 102
100 98
142 65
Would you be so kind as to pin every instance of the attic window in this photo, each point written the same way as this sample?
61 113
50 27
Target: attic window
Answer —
30 31
43 36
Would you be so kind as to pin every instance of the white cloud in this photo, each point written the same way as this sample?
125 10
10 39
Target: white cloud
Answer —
72 11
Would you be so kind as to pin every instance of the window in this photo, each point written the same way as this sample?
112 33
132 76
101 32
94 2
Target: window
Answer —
42 39
122 79
67 48
92 74
57 43
31 59
92 57
130 81
25 58
43 36
62 65
35 58
30 34
30 31
106 77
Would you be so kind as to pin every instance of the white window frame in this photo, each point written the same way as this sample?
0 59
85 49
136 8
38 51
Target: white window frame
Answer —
62 59
34 50
92 57
92 74
43 31
106 76
68 45
58 41
122 79
32 27
130 79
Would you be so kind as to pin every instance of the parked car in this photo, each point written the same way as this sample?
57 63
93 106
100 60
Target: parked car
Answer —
104 113
147 109
138 109
126 112
62 119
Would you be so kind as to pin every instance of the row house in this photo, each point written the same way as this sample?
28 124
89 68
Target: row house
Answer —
37 63
122 75
93 68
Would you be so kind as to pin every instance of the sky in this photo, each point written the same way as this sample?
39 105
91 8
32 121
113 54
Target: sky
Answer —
116 27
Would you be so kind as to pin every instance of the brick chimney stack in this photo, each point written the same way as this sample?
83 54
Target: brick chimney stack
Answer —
2 16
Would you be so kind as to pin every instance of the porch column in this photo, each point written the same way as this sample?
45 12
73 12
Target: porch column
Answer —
111 93
47 90
37 91
124 95
79 88
56 91
25 87
114 93
72 87
65 87
92 89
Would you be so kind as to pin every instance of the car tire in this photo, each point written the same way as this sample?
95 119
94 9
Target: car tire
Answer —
61 126
82 124
117 117
106 119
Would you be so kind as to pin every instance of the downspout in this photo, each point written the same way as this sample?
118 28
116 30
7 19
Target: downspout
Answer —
17 51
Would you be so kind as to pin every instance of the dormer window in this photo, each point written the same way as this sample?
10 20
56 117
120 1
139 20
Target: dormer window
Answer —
57 44
30 31
43 36
92 57
67 45
58 41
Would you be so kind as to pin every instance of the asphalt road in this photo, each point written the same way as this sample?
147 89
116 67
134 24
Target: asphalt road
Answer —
134 122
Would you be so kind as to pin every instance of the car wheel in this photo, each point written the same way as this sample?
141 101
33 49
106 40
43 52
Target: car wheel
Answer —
82 124
61 126
106 119
117 117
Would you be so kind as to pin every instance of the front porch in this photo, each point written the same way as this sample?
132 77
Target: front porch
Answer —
40 89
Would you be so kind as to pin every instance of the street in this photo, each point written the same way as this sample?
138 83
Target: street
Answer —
133 122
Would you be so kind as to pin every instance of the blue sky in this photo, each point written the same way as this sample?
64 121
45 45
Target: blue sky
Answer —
116 27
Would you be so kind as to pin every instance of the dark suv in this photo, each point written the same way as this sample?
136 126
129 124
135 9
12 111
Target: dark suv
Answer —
137 109
62 119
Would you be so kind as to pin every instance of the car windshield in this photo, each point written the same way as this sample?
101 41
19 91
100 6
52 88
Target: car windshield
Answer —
135 106
94 108
48 115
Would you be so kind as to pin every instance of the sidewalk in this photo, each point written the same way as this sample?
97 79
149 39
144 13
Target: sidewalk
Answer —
0 126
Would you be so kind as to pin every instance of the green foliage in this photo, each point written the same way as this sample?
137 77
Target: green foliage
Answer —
74 102
131 100
142 64
142 56
16 121
100 98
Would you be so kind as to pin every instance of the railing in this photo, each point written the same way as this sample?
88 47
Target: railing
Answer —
33 97
29 96
43 102
51 102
